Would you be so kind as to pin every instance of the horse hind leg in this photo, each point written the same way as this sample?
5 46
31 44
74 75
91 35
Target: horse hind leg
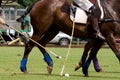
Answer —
111 42
46 55
28 47
43 41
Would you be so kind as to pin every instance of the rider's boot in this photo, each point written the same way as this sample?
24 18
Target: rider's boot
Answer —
94 16
97 33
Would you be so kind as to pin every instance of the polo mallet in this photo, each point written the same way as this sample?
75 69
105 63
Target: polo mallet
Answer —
59 57
13 41
64 63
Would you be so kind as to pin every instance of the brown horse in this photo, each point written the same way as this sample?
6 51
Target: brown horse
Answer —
50 17
111 9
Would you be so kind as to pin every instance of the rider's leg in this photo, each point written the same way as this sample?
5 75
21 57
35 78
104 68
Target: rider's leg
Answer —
96 29
94 17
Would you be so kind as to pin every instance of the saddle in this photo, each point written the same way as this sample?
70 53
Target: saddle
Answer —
79 15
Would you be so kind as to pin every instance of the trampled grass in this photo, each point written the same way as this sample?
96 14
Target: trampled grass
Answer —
10 58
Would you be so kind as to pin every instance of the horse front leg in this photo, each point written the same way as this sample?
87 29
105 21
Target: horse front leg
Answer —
97 46
112 44
88 46
93 56
96 65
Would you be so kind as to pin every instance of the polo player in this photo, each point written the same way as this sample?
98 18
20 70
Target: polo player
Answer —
93 14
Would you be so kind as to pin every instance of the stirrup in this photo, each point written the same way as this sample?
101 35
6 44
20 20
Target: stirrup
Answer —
99 35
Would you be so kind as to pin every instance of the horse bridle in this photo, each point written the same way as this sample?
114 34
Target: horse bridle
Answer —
108 20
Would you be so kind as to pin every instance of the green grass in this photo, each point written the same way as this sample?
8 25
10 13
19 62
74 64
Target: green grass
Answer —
10 58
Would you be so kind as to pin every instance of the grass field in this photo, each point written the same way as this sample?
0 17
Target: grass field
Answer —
10 58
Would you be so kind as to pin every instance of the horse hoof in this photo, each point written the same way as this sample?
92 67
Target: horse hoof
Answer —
25 72
99 70
49 69
85 71
77 67
86 75
23 69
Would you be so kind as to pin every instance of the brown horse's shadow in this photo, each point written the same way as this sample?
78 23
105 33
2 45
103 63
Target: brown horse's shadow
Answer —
96 76
105 77
102 77
44 74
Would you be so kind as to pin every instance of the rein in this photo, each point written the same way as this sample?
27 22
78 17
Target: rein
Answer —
109 20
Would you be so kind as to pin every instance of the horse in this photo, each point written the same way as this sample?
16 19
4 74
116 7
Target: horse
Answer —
113 12
50 17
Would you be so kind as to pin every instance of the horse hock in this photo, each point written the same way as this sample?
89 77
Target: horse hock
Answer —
49 61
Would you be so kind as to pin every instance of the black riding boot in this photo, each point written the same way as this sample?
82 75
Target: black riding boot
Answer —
97 33
94 17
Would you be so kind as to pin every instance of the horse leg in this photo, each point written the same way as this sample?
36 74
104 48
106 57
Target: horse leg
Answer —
96 65
88 46
43 41
93 57
111 42
28 48
95 60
